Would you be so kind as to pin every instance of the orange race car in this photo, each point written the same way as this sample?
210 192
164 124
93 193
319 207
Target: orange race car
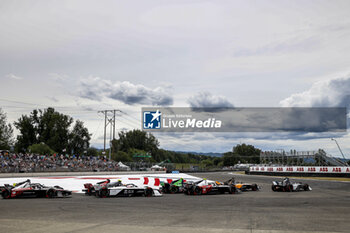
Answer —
242 185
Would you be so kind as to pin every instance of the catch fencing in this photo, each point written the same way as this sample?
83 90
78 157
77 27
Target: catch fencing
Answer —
301 171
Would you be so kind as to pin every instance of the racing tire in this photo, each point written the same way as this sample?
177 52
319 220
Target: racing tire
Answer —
232 190
6 194
148 192
51 193
273 188
103 193
89 191
289 188
174 189
197 191
166 188
306 187
254 187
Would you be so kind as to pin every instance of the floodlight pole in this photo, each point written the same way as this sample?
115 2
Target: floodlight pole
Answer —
338 147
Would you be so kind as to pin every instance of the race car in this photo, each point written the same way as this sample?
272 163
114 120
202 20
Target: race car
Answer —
242 185
176 186
4 187
204 187
90 188
28 189
118 189
287 186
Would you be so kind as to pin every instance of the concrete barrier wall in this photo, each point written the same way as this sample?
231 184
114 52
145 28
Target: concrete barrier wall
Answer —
44 174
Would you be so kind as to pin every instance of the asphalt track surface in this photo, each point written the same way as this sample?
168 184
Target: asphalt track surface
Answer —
325 209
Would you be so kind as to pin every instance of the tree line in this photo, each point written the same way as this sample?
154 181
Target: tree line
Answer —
48 131
45 131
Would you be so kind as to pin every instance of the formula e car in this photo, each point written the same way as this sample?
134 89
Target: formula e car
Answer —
243 186
118 189
204 187
176 186
28 189
5 186
287 186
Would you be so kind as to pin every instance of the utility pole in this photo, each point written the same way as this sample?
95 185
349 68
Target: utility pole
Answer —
109 120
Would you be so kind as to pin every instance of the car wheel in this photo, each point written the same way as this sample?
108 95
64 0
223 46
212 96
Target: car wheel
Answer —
166 188
306 187
103 193
289 188
197 191
90 191
6 194
255 187
148 192
273 188
174 189
50 193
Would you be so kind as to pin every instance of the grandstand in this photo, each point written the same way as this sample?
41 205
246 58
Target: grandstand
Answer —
300 158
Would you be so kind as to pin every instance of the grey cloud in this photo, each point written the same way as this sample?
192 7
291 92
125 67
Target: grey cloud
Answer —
258 136
126 92
208 100
330 93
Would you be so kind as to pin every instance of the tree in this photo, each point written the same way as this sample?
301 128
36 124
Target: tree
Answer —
242 153
207 163
53 129
229 159
41 149
79 138
28 132
121 156
6 132
246 150
136 139
91 151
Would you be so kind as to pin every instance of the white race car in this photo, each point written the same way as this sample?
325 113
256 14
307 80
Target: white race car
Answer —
287 186
118 189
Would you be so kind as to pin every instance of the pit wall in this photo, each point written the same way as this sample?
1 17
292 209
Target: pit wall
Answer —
300 171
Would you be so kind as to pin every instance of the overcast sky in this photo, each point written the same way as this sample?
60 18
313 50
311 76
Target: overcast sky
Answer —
84 56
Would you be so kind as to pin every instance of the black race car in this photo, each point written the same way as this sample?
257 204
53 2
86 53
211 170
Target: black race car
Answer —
4 187
118 189
204 187
287 186
28 189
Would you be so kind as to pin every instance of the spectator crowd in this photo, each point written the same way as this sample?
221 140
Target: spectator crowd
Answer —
10 162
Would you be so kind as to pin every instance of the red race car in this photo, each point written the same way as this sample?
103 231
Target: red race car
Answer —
205 187
28 189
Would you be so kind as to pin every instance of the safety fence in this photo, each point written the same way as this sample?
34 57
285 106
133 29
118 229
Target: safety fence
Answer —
301 171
